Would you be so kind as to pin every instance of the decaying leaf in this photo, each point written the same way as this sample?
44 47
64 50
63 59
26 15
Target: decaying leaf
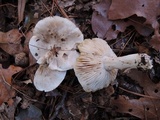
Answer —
11 41
109 28
143 79
6 92
100 22
147 9
142 8
145 107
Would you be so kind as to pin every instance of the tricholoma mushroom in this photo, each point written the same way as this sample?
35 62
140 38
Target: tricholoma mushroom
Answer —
97 65
53 45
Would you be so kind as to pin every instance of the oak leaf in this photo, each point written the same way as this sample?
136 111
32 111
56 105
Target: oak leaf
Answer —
147 106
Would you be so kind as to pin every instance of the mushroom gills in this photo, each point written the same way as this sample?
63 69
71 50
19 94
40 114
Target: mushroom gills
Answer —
97 65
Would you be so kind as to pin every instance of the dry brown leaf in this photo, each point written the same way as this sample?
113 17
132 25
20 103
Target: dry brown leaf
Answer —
6 92
10 42
145 107
149 9
144 81
100 23
137 22
109 29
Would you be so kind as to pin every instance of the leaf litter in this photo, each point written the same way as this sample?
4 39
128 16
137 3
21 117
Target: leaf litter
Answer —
147 106
128 26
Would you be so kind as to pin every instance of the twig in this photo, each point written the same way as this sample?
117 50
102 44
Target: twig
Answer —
8 4
138 94
46 8
126 44
122 38
61 10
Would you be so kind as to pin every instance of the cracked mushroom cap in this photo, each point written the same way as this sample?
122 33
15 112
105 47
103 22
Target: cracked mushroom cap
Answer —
46 79
89 67
53 32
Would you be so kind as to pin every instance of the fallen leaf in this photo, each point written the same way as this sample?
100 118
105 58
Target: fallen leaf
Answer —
144 81
109 29
138 23
6 92
147 9
146 107
143 108
10 41
100 22
142 8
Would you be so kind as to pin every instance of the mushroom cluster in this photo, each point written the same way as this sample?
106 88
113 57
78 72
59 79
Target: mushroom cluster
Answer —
54 45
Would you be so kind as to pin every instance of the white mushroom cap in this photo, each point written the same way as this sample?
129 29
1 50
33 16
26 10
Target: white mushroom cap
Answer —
46 79
53 32
63 61
37 48
89 67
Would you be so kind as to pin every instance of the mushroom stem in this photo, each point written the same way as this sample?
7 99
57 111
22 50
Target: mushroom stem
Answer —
128 62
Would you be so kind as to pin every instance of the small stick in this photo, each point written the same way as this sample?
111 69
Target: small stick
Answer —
138 94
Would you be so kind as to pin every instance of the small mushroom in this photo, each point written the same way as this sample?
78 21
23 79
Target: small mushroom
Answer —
53 45
97 65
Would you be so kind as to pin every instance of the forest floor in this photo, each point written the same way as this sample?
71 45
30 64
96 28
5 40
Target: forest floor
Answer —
127 26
